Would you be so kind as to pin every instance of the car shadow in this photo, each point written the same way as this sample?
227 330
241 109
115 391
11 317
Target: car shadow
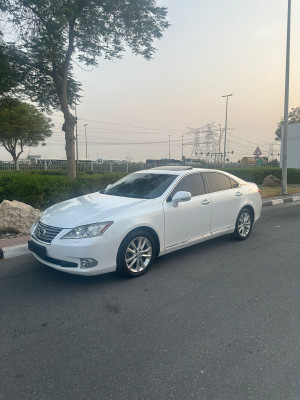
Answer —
63 279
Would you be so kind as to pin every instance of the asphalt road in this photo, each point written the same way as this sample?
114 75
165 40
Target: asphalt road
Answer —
217 321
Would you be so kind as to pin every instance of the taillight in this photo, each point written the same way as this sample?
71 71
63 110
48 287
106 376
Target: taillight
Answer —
258 190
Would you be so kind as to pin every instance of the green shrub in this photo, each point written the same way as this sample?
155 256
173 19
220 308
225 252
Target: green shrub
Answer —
60 172
42 191
293 175
258 174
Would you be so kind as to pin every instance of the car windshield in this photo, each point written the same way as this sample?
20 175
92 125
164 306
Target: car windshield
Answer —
141 185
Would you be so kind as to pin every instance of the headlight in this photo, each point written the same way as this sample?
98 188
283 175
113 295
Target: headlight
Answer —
86 231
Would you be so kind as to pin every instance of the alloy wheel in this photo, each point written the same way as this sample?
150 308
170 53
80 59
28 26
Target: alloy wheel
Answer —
244 224
138 254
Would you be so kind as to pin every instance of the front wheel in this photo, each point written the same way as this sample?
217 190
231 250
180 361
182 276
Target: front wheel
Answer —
243 225
136 254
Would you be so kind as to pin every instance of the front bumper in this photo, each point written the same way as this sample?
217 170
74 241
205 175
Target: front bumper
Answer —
66 254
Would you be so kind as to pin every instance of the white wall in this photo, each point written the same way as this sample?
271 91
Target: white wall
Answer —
293 146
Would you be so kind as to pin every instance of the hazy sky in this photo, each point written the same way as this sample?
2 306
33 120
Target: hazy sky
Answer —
212 48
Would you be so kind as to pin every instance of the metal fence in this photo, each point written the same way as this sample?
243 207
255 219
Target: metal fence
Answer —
93 167
61 165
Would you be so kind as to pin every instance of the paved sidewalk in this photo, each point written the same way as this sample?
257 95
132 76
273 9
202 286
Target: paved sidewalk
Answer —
17 246
14 241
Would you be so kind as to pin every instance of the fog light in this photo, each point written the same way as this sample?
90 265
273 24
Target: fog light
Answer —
88 263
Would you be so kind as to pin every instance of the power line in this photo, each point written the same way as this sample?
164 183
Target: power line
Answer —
134 126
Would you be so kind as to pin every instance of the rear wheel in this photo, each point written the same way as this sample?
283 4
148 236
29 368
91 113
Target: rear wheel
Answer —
243 225
136 254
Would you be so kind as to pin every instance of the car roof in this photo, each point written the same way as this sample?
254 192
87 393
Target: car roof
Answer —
181 170
173 168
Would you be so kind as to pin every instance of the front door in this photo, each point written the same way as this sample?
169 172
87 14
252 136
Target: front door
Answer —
191 219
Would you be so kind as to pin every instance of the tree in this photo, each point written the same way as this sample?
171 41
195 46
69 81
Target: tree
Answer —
13 71
293 117
21 78
21 125
8 75
55 33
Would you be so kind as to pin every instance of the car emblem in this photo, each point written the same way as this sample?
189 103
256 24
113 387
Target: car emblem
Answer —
43 231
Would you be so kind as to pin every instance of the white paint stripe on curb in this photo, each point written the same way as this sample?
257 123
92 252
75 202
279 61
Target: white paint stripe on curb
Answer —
280 201
277 201
15 251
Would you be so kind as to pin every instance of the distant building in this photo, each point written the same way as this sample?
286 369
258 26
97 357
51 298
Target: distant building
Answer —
248 161
293 146
33 158
102 160
163 161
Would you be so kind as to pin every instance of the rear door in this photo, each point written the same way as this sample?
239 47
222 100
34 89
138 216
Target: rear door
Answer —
226 200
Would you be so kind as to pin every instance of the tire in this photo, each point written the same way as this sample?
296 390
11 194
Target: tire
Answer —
136 254
243 225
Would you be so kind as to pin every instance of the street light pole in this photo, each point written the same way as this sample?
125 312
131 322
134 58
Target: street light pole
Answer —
182 148
169 149
85 125
225 130
286 105
76 130
220 143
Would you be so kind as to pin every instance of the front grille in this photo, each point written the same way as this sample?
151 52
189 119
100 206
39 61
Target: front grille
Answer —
45 233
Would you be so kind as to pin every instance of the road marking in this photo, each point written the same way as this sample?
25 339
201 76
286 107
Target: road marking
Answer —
277 201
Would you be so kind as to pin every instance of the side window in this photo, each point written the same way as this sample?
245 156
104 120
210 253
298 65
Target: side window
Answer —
191 183
234 184
217 182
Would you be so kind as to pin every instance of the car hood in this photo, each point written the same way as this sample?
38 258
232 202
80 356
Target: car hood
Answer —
94 207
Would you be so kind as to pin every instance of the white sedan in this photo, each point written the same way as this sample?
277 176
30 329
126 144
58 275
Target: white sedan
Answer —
144 215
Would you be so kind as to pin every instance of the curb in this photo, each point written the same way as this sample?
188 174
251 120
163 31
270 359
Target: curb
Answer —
14 251
275 202
22 249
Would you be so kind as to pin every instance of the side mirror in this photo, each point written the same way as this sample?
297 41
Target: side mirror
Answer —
181 196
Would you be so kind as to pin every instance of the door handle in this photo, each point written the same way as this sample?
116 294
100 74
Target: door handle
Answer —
204 202
239 193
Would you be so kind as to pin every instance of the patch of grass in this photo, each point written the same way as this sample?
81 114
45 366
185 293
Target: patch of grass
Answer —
272 192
